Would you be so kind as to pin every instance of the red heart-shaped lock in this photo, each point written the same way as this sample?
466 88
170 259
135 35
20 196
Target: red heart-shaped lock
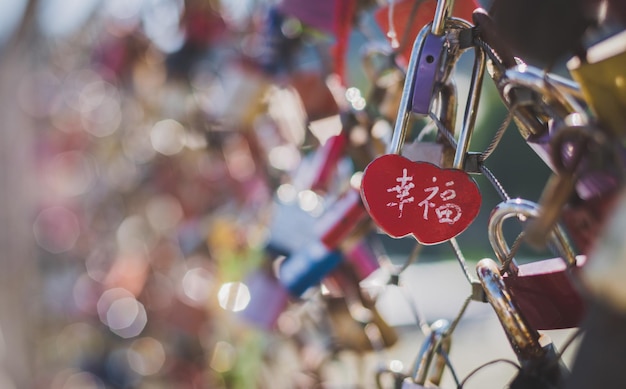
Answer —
405 197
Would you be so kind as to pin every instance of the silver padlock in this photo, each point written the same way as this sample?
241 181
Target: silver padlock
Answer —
430 363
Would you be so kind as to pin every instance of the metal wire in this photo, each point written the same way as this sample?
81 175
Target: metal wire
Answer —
446 358
513 250
458 317
483 169
495 141
487 364
461 260
494 182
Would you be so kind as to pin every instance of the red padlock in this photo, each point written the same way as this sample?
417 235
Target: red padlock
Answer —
546 292
340 220
417 198
326 160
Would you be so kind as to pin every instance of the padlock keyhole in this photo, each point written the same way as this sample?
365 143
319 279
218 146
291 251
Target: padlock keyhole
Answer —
430 59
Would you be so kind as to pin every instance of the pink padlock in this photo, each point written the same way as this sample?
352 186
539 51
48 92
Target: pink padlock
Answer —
341 219
362 258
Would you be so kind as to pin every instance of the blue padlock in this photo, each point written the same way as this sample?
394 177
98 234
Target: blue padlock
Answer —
306 268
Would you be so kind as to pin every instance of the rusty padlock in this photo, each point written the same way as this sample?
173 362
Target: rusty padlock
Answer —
523 338
546 291
539 361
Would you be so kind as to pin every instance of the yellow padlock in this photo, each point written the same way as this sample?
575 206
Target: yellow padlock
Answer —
602 79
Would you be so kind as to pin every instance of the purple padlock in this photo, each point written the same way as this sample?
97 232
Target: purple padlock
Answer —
268 299
318 14
427 73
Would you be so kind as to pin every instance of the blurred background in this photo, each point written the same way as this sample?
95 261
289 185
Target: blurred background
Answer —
143 146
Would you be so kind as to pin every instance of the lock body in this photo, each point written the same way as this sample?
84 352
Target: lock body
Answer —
307 267
325 162
602 81
546 295
291 228
547 291
358 328
427 73
341 218
362 258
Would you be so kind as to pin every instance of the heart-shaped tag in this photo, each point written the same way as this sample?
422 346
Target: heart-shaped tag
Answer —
405 197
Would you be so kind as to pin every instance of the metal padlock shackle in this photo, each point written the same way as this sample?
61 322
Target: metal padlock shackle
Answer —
471 108
442 12
438 339
524 340
566 93
404 112
527 209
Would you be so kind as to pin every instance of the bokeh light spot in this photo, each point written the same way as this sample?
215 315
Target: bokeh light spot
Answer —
234 296
284 157
167 137
56 229
122 313
197 284
164 212
224 357
308 200
70 173
146 356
